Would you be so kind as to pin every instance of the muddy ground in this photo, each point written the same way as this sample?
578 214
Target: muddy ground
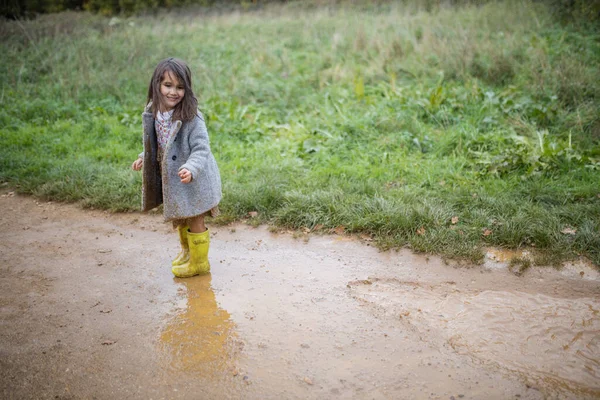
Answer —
89 310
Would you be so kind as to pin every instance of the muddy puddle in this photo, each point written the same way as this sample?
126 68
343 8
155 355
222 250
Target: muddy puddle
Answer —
551 342
89 309
332 318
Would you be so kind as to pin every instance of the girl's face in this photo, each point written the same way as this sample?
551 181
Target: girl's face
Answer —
172 91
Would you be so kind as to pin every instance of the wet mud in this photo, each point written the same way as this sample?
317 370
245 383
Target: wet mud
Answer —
551 342
89 309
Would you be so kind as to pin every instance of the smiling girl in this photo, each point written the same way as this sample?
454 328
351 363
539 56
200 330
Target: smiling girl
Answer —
179 170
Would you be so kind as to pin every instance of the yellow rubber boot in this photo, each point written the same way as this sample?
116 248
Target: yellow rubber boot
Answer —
198 263
184 254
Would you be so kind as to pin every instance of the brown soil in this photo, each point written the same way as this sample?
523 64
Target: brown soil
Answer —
89 309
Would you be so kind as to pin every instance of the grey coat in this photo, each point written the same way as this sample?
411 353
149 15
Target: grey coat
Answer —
188 147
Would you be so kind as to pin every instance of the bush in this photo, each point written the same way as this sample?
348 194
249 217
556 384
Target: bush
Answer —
569 10
28 8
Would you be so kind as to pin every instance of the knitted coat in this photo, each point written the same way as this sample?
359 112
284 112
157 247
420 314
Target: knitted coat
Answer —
188 147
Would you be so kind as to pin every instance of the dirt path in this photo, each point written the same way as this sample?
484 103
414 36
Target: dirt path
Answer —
89 309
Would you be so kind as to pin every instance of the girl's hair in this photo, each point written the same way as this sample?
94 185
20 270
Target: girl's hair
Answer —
188 106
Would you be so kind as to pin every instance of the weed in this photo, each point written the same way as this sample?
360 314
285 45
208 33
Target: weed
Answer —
518 265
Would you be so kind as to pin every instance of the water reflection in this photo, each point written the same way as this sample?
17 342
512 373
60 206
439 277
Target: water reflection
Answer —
199 339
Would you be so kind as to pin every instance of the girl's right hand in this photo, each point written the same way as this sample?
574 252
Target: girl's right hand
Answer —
137 164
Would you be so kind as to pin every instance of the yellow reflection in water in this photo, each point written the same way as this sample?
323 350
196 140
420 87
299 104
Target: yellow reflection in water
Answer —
198 339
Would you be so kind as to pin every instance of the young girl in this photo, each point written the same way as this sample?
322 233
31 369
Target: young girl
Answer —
179 169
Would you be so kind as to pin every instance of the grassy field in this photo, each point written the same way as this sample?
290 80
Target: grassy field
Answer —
445 131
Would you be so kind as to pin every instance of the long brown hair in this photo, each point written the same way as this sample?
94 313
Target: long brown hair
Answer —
188 106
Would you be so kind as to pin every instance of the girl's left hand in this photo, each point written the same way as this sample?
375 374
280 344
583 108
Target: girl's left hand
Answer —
185 175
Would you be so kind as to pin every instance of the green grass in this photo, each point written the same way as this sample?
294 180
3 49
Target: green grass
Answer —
387 120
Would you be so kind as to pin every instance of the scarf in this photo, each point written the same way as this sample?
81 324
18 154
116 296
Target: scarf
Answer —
163 124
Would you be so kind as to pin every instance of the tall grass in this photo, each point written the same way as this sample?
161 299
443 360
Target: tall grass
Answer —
387 120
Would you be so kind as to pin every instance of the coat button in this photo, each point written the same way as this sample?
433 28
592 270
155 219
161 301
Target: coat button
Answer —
174 158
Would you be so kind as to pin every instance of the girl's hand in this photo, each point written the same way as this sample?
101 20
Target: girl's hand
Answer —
185 175
137 164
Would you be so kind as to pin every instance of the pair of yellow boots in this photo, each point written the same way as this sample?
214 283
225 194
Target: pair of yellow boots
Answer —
193 257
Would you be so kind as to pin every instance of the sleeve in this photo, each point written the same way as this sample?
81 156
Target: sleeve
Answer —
199 148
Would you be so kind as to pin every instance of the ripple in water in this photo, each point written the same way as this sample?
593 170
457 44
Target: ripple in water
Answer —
552 342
